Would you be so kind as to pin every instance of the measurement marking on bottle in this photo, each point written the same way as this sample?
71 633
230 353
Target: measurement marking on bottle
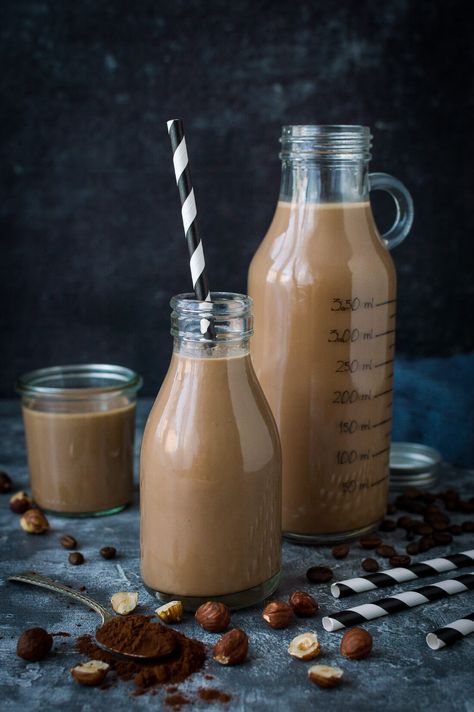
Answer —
389 375
391 346
383 393
392 316
384 333
378 482
384 363
368 335
353 366
382 422
349 427
387 435
389 301
381 452
389 405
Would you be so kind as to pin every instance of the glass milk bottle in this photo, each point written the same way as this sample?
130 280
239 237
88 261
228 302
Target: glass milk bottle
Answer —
324 291
211 465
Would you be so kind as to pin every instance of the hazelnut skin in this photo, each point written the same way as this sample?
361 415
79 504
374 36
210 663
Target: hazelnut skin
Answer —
356 644
34 644
278 614
232 648
33 521
303 604
213 616
20 502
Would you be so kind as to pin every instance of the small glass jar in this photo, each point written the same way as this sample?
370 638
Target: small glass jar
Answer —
210 465
80 427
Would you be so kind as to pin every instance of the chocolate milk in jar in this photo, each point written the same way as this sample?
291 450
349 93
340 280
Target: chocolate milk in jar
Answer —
324 291
210 466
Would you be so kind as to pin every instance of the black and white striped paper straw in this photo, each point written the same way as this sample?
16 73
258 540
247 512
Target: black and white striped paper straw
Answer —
197 262
451 633
398 602
391 577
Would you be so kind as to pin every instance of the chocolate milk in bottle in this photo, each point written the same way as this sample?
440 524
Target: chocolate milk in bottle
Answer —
324 291
210 466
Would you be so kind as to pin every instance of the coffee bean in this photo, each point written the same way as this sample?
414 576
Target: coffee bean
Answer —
404 522
76 558
371 541
466 507
391 509
370 565
422 528
5 483
426 543
399 560
388 525
468 527
108 552
432 509
412 493
413 548
439 523
410 535
68 541
442 538
386 551
340 551
319 574
455 529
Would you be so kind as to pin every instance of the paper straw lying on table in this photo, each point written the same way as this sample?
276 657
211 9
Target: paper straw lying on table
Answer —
391 577
398 602
451 633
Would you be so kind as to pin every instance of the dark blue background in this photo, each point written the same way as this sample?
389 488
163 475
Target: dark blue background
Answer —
92 244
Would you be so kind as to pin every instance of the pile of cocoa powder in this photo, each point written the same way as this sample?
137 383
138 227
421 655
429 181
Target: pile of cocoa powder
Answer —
177 656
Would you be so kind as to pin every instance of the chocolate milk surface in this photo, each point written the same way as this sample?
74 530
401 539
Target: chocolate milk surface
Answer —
81 462
210 481
323 286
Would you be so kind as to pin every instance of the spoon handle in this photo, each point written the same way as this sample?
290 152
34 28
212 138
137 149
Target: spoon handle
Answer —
44 582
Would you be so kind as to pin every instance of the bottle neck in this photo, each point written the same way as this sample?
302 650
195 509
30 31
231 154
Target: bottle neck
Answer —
322 181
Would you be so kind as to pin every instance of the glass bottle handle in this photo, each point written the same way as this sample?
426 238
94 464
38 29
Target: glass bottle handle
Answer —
404 205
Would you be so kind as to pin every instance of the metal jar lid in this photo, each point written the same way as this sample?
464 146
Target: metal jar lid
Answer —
413 465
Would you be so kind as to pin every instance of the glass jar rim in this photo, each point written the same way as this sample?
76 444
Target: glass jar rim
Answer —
337 142
116 380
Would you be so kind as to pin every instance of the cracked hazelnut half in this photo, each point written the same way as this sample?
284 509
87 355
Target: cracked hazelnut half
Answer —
90 673
33 521
213 616
305 646
171 612
124 602
232 648
20 502
325 676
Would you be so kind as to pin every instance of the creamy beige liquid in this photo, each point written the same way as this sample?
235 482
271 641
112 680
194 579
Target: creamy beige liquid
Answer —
323 286
80 462
210 481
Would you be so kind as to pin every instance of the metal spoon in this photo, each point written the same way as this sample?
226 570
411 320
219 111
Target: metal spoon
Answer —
44 582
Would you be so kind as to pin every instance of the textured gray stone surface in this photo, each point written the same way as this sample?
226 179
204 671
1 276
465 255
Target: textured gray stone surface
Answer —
401 674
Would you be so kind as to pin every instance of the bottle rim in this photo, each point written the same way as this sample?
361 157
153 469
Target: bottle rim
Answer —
326 141
79 381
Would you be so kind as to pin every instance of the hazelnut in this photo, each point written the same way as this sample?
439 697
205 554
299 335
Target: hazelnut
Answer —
213 616
68 541
278 614
325 676
34 521
305 646
108 552
124 602
232 648
5 483
76 558
34 644
356 644
91 673
303 604
20 502
171 612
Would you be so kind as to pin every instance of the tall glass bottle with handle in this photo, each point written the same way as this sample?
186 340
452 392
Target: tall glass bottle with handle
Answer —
324 290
